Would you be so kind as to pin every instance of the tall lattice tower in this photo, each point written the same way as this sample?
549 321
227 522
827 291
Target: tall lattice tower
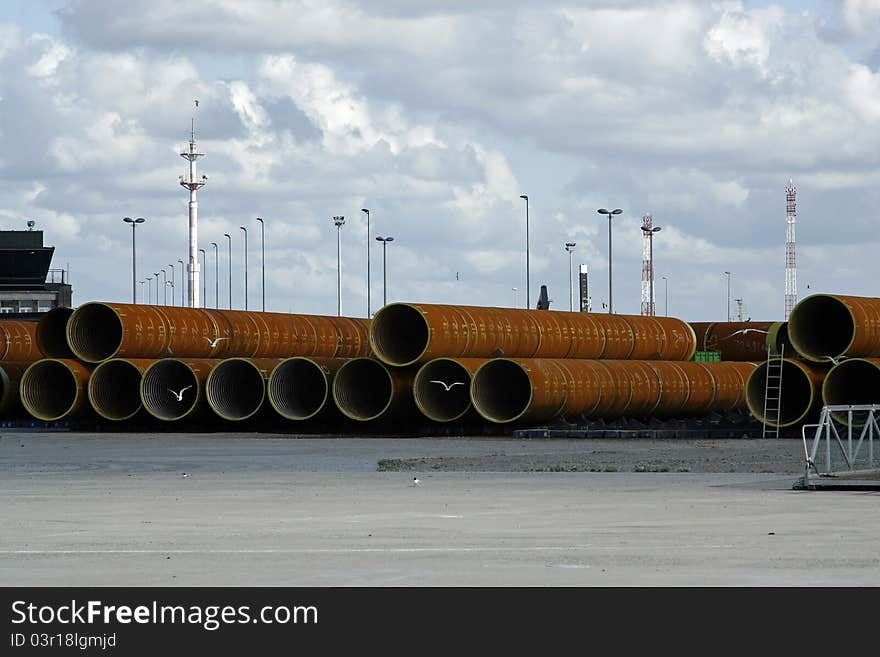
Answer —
193 185
647 278
790 265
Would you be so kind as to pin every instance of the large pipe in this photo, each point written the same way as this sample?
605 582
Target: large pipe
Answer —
364 389
537 390
54 388
404 334
174 388
442 387
744 341
52 333
300 387
18 341
10 376
235 388
823 327
115 387
852 381
801 392
98 331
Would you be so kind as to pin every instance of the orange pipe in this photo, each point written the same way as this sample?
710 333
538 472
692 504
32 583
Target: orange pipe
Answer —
52 333
442 387
300 387
743 341
823 327
10 376
364 389
404 334
18 341
236 388
114 387
174 388
55 388
801 392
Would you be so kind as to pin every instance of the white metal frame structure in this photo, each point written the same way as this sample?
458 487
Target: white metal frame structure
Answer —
827 429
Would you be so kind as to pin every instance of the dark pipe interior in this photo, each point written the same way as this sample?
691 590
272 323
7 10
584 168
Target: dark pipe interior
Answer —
161 381
48 390
52 333
852 382
433 399
399 334
797 396
235 389
94 332
298 388
362 389
114 390
501 391
821 326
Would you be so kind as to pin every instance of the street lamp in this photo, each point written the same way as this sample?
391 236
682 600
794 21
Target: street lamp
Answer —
528 278
156 274
205 277
367 212
182 286
134 223
610 213
172 283
263 259
229 237
150 289
727 273
384 241
514 295
650 233
165 287
666 295
245 268
339 221
569 246
216 275
142 288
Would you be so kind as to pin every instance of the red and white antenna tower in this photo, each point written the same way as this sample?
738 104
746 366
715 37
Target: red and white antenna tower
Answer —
647 265
192 184
790 266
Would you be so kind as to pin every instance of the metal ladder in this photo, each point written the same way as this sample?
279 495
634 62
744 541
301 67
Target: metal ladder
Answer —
773 392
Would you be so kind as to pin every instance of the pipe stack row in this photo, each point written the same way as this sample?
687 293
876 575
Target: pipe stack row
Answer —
18 349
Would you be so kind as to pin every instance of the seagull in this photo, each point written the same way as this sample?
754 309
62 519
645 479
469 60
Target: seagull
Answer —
184 475
450 386
835 360
746 330
214 342
179 395
416 481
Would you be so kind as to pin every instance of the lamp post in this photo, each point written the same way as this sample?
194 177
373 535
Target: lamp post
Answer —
528 278
150 289
610 213
229 237
569 246
514 295
165 287
156 274
204 277
263 260
666 296
182 286
650 233
384 241
216 275
727 273
142 288
367 212
245 268
134 223
339 221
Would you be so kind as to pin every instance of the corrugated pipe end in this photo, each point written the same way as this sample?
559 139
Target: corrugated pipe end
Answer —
363 389
442 390
169 389
114 390
235 389
298 388
52 333
49 390
798 394
853 381
399 334
501 390
821 326
94 332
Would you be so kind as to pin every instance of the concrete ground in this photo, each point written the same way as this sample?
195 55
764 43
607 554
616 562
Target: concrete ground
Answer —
226 509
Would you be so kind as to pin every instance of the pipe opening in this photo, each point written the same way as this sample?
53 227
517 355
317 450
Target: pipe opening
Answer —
235 389
362 389
48 390
298 388
52 333
399 334
114 390
442 390
822 326
94 332
797 394
501 391
852 382
169 389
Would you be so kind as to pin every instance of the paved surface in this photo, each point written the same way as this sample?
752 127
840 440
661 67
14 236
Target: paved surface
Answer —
88 509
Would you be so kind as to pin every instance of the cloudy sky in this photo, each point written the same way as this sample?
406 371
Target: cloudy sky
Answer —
437 115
